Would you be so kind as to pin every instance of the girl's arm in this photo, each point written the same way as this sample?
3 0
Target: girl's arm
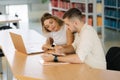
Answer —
48 44
68 48
49 41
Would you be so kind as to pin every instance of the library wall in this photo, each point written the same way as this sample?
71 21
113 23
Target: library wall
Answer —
9 2
2 9
36 10
35 7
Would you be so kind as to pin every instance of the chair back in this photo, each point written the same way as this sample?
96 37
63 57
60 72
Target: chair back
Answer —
113 58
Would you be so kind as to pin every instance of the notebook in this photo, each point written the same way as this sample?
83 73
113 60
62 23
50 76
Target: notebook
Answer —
28 48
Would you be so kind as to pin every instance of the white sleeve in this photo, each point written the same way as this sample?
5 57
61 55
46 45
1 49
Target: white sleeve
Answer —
74 42
85 43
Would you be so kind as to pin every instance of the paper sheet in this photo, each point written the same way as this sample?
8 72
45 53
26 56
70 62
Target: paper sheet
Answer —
51 63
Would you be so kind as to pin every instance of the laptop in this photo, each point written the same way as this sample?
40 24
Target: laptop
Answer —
28 48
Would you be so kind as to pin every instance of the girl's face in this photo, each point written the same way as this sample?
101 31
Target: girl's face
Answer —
51 25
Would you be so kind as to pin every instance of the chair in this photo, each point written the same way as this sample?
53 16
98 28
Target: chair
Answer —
15 24
4 26
0 13
1 55
113 58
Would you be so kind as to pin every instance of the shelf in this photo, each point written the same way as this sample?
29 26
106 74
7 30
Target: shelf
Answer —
61 9
81 1
110 27
99 1
99 14
114 7
112 17
108 6
89 14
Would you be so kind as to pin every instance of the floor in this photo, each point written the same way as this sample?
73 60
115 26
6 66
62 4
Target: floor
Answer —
112 38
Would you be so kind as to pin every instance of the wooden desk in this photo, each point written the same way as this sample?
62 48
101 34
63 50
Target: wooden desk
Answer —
27 67
9 19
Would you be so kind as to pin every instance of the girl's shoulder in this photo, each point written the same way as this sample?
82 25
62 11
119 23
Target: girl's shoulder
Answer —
64 27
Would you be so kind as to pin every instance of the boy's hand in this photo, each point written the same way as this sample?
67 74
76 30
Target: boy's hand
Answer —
47 57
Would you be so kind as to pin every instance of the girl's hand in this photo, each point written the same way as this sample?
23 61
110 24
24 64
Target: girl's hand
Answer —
59 50
46 47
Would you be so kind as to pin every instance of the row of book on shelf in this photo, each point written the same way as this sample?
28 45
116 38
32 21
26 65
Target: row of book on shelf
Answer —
112 12
66 5
112 23
112 3
61 4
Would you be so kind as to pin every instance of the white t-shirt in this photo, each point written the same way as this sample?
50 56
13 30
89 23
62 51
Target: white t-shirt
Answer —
59 37
88 47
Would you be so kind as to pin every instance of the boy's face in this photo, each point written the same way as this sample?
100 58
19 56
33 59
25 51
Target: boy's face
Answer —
70 25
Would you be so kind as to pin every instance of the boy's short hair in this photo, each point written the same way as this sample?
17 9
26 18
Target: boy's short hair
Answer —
72 13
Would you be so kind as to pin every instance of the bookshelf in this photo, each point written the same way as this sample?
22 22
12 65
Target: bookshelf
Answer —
112 14
91 9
